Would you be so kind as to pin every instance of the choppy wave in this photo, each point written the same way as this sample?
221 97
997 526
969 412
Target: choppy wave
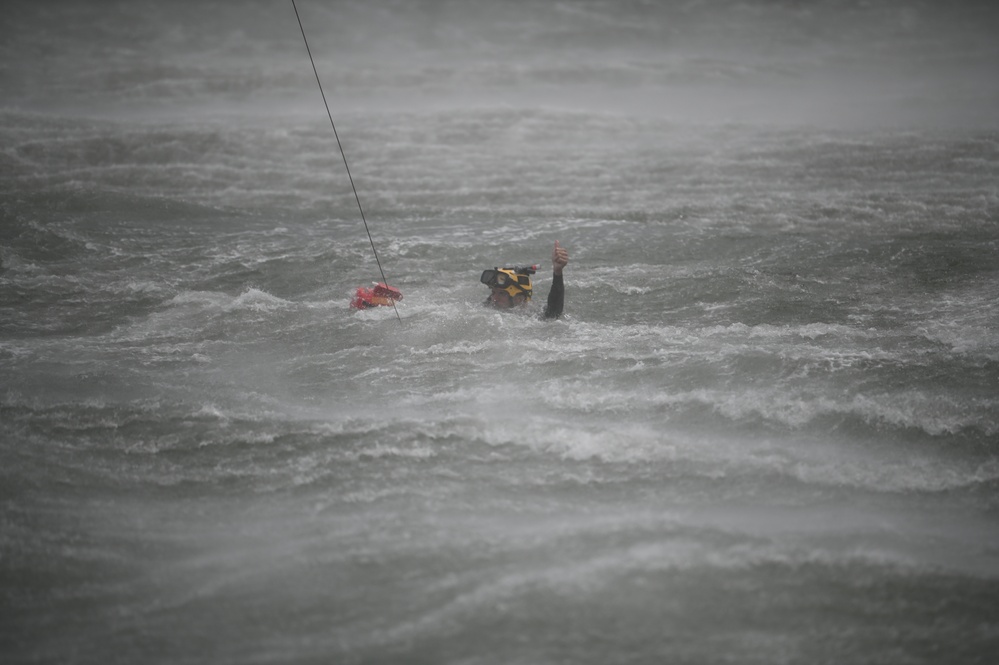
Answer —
764 430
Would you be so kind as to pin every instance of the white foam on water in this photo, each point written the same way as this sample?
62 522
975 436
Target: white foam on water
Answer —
773 371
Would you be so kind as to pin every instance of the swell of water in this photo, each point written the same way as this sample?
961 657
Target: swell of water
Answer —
764 431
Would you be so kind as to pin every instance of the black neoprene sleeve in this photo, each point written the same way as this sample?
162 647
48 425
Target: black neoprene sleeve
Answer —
556 298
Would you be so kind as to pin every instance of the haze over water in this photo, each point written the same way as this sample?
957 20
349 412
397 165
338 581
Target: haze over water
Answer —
765 430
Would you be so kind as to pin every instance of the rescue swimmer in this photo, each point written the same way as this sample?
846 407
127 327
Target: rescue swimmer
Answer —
510 288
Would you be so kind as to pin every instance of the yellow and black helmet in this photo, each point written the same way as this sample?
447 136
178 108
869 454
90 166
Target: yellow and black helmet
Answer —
511 280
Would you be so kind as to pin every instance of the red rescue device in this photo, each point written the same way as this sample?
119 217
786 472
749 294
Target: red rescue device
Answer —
380 295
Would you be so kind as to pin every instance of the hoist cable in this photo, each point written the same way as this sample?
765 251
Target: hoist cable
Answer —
342 154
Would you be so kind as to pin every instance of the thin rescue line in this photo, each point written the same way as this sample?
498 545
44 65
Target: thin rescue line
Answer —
328 113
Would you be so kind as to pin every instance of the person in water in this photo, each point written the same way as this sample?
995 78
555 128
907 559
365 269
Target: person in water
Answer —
511 287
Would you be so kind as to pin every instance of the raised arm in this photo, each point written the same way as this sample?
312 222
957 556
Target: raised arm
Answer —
556 296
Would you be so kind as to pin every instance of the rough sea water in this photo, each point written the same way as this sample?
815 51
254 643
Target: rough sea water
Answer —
765 431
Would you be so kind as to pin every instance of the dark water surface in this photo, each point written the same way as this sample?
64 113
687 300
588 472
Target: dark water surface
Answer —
766 430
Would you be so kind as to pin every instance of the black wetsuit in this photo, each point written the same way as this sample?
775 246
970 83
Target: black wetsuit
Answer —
556 298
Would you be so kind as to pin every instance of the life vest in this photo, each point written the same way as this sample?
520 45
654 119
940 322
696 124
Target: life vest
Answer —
512 280
380 295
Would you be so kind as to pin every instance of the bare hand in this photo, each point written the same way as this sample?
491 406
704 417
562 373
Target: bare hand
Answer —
560 258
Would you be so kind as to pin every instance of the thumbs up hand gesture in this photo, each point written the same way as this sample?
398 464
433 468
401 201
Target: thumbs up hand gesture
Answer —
560 257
